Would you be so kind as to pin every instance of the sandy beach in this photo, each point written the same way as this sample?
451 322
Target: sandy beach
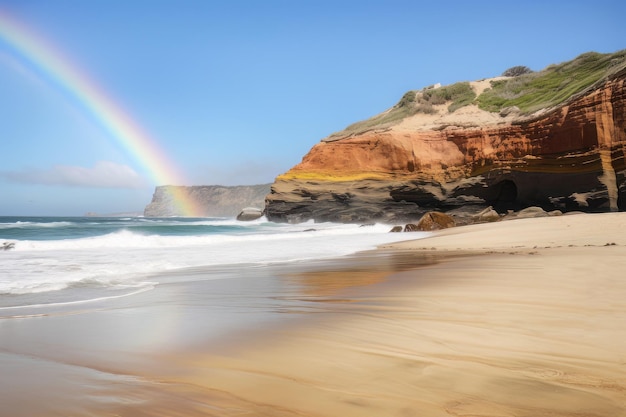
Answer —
518 318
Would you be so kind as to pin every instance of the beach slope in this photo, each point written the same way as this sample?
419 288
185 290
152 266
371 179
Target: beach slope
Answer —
517 318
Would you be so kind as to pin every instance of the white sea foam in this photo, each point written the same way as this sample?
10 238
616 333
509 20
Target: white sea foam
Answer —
21 224
128 259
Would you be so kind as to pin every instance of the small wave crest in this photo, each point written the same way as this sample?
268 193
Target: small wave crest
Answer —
44 285
120 239
68 298
139 239
25 224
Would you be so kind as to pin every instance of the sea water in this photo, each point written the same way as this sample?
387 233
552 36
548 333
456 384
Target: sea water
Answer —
64 260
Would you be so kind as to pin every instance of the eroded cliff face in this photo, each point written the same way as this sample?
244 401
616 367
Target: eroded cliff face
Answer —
570 158
208 200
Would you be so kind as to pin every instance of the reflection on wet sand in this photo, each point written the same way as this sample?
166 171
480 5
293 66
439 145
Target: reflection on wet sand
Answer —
496 335
367 268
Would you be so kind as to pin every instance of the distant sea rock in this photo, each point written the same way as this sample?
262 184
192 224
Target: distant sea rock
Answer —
213 200
250 213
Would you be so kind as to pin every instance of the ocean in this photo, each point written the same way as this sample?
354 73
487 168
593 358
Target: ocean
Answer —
60 261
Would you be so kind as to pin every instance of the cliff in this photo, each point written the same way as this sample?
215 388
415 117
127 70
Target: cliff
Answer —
554 139
213 200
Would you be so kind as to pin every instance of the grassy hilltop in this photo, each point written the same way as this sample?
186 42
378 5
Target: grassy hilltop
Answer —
519 87
553 85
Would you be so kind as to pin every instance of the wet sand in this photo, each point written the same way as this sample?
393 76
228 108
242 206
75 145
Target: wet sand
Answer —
519 318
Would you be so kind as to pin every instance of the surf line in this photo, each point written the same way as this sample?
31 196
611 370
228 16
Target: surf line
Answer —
148 287
52 66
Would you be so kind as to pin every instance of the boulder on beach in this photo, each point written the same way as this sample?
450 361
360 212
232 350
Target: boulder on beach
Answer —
433 220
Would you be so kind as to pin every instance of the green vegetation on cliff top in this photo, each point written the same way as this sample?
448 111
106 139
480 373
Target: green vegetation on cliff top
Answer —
551 86
413 102
529 91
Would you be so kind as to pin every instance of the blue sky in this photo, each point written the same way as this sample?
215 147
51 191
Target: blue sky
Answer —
237 92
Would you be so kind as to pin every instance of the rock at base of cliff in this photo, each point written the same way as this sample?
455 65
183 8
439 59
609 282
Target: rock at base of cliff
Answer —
487 215
249 214
433 220
532 212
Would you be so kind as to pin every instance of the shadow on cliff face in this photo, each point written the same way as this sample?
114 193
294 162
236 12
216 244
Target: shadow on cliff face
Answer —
502 196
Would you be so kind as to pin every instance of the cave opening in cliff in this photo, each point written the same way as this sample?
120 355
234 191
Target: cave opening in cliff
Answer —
503 196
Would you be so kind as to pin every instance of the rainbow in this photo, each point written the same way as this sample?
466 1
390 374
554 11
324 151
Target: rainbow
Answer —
55 68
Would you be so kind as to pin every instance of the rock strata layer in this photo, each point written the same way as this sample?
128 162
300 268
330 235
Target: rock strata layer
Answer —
208 200
571 157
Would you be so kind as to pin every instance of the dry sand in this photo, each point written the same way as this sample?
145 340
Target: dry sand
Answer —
518 318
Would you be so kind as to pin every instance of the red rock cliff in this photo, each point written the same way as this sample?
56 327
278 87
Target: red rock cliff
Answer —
571 157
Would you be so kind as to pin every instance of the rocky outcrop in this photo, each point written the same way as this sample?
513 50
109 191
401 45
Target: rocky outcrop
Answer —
210 200
434 220
568 157
249 214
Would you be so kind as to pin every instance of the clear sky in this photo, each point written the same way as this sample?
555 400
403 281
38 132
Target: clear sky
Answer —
237 92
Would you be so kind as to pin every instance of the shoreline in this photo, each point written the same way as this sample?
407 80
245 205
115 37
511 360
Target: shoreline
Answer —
517 318
603 229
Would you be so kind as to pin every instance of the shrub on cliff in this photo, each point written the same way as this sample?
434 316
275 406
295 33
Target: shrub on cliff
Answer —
407 99
460 94
517 71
